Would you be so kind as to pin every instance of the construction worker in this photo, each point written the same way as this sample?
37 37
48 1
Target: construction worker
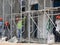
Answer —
56 34
7 24
1 25
7 29
19 27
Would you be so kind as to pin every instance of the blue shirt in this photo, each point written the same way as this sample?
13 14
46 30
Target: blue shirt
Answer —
1 23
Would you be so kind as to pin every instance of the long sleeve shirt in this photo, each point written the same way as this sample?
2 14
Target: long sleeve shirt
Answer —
19 24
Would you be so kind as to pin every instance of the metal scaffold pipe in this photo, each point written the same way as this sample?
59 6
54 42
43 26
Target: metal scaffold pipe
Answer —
3 17
21 18
28 21
11 19
44 18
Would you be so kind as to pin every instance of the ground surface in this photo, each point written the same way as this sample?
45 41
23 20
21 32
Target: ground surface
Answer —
7 43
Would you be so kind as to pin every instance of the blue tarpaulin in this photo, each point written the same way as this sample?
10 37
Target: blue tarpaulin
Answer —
34 7
56 3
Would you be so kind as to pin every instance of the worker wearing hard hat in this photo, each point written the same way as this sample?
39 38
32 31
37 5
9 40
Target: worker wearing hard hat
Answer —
7 24
7 29
1 25
19 27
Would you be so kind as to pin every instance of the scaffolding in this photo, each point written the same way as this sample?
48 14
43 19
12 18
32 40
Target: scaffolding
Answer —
38 23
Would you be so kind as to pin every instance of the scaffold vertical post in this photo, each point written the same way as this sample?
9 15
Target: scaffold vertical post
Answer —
29 21
3 17
44 18
11 18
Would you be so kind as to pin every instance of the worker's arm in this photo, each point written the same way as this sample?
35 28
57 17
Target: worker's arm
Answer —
55 32
23 20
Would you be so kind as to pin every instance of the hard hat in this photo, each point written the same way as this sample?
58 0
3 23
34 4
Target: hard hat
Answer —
1 19
6 23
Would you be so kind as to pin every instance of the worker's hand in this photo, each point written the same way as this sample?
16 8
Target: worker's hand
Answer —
24 17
